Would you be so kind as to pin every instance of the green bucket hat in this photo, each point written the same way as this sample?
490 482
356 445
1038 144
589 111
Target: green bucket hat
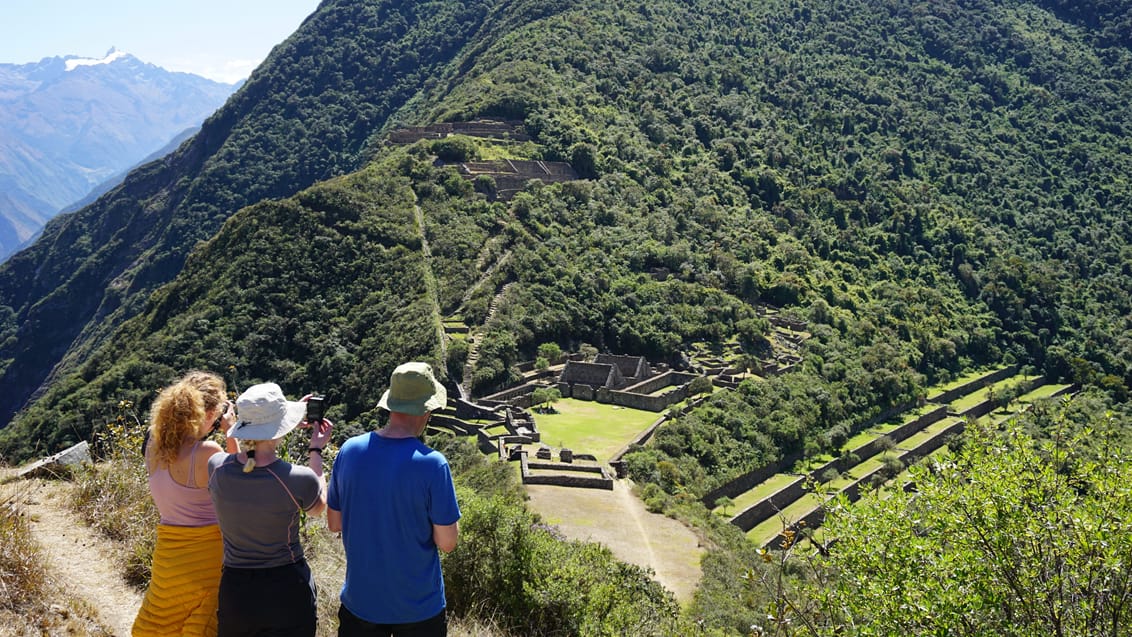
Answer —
413 389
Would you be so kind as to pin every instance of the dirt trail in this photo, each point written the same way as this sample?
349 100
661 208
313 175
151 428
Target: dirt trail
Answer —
83 563
619 520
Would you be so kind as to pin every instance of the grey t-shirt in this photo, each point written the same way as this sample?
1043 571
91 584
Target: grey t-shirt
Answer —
259 511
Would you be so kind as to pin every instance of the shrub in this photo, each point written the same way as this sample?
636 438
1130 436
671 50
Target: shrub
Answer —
524 575
454 149
113 495
1020 536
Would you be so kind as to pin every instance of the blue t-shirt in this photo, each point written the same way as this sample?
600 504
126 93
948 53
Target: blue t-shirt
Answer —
390 491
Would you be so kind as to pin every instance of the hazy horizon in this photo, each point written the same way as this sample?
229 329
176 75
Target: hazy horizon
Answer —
222 41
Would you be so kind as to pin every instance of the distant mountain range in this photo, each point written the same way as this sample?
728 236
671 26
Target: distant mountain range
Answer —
72 126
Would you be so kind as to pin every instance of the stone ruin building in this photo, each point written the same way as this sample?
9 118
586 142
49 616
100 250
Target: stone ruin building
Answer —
509 176
582 380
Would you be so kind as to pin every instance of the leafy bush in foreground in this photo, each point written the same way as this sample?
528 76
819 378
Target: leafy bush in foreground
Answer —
1009 535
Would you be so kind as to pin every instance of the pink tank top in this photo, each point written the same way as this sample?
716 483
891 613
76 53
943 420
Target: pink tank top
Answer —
181 505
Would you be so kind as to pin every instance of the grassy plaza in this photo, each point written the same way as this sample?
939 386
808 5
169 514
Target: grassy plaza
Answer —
590 427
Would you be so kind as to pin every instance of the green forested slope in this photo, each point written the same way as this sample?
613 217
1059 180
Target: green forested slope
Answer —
933 185
308 113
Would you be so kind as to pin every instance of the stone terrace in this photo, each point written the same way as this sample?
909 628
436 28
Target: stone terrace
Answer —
512 130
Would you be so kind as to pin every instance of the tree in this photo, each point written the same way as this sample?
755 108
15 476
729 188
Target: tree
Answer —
1009 535
723 504
699 385
550 351
545 395
587 351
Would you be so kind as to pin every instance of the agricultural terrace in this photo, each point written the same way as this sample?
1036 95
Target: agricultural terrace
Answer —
1016 392
939 390
591 427
998 416
990 392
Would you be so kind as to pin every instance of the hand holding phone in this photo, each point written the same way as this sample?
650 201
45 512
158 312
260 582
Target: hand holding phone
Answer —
316 406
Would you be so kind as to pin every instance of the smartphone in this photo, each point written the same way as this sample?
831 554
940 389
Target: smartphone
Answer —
315 408
216 423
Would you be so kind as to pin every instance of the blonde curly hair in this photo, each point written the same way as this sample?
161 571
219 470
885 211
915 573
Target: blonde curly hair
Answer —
180 409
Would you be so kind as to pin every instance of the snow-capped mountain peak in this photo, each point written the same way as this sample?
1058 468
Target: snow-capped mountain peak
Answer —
112 55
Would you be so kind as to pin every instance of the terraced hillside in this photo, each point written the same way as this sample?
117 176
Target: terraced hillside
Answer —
794 497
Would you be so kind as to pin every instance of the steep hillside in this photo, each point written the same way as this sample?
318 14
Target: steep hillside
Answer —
932 185
304 115
69 123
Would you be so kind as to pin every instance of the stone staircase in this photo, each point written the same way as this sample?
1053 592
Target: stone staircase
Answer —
474 337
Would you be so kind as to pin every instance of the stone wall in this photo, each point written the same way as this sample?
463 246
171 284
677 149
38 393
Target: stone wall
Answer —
495 129
508 395
454 424
778 320
973 385
486 443
468 410
863 452
979 410
570 476
935 443
769 506
577 482
635 367
747 481
852 492
875 446
639 440
582 392
592 374
630 397
908 430
661 381
648 403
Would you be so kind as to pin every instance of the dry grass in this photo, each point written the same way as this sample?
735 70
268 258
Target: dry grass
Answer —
618 520
113 497
31 603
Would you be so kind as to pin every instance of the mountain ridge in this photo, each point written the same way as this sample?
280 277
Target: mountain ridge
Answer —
925 183
70 123
234 164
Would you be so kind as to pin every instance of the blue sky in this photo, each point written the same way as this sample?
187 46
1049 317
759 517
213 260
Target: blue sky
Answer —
219 39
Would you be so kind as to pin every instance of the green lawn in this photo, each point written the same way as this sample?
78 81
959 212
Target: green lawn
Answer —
591 427
981 373
861 439
767 531
972 399
764 489
1045 391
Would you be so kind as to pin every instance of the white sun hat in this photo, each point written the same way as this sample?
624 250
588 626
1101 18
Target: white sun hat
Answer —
265 413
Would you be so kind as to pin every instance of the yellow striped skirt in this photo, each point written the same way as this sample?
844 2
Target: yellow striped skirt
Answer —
181 599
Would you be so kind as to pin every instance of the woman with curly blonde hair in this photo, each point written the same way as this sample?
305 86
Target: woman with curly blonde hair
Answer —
182 593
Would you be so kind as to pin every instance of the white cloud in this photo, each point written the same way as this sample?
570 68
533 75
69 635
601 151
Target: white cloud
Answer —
226 71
